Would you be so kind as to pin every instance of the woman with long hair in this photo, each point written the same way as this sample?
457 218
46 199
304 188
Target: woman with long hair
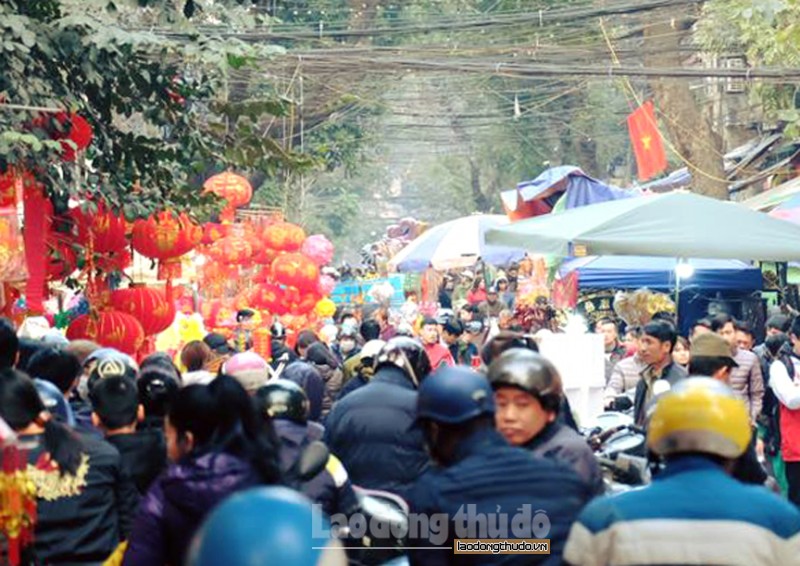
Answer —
84 502
217 447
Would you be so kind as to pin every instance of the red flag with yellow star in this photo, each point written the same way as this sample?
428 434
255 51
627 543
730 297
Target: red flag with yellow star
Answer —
646 139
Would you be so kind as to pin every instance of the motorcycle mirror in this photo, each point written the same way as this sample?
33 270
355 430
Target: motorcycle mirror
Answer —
622 403
312 461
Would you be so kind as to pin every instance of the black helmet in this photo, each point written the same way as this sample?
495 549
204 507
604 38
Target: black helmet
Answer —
529 371
277 330
282 399
407 354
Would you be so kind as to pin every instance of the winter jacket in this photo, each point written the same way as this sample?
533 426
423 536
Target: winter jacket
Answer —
500 482
177 503
357 382
692 513
374 432
331 488
306 376
625 376
81 517
559 441
672 373
144 455
333 378
747 382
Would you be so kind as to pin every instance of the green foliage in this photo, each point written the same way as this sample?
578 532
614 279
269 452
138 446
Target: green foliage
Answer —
768 32
158 106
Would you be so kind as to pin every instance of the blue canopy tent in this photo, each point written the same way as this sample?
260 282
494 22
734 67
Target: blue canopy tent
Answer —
727 280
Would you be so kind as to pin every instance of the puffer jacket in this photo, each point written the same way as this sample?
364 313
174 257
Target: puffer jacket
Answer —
333 378
374 432
177 503
306 376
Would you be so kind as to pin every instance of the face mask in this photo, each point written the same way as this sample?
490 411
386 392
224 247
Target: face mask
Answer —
347 346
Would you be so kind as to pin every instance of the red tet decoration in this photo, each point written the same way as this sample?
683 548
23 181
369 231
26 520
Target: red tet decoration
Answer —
166 237
235 189
112 329
106 230
38 217
297 271
284 236
231 250
8 189
150 307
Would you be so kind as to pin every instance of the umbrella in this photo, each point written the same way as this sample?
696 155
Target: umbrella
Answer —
456 244
676 224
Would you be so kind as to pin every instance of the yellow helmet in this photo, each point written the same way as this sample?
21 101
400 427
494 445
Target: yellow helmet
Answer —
699 414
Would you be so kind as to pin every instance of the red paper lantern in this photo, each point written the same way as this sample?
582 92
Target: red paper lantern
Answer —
166 237
231 250
296 270
75 128
107 231
283 236
112 329
150 307
235 189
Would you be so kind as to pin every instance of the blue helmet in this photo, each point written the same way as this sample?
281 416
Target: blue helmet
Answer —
454 395
266 526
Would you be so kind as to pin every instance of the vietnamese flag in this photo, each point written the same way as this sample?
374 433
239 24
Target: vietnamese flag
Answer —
646 139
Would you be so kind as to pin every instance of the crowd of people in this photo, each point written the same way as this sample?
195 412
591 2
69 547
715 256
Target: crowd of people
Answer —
129 459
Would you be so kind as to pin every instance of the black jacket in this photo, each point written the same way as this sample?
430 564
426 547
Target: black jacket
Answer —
82 517
373 431
144 455
558 441
331 488
488 478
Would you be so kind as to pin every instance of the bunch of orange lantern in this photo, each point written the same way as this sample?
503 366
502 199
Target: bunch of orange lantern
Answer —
269 266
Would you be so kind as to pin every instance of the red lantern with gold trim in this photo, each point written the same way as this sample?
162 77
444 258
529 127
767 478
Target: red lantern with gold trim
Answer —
283 236
166 237
150 307
112 329
106 230
235 189
296 270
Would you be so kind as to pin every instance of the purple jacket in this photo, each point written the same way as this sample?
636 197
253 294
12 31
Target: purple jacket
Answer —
177 503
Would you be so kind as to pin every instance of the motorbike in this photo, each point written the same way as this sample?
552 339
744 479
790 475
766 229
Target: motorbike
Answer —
620 448
383 516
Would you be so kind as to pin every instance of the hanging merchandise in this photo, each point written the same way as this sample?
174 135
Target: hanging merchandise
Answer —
284 237
235 189
149 306
166 237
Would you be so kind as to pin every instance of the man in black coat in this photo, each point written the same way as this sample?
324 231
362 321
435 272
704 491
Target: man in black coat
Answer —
373 430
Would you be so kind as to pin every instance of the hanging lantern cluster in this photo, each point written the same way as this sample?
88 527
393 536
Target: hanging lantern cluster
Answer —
149 306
